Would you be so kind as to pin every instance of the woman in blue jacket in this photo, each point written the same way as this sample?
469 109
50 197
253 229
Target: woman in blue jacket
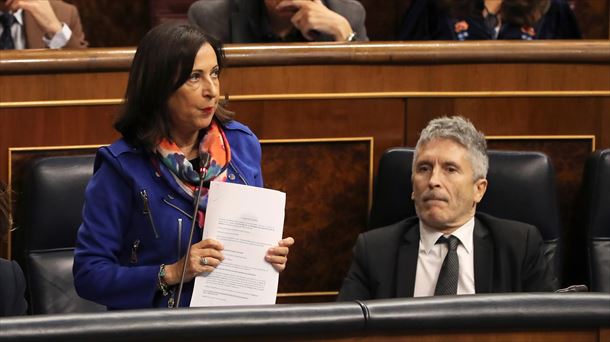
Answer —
131 246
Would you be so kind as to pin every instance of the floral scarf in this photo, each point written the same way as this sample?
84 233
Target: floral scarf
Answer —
214 153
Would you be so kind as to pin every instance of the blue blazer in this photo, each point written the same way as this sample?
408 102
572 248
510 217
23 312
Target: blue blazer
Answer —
119 246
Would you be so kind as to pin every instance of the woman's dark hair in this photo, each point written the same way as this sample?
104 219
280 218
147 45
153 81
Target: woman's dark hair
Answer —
515 12
163 63
5 222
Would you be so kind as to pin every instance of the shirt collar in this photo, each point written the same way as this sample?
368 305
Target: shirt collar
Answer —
429 236
18 14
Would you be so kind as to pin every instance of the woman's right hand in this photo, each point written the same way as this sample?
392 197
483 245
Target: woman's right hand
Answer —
204 256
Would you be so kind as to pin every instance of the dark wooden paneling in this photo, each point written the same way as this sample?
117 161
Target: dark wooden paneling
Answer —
54 126
65 86
382 119
593 16
169 10
383 18
327 188
516 115
603 140
113 23
413 78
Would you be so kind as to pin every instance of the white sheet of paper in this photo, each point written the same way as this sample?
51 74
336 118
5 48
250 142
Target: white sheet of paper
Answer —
247 221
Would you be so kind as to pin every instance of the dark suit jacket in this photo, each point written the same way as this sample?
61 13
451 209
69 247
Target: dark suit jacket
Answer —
242 21
12 289
66 13
507 258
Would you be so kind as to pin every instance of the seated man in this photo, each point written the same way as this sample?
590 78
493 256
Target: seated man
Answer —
448 248
38 24
265 21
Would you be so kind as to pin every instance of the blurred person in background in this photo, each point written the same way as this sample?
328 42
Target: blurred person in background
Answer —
39 24
489 19
267 21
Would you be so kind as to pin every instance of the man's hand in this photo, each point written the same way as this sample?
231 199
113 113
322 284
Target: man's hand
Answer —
42 13
311 16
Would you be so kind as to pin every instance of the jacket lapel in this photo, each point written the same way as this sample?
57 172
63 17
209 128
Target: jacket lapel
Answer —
407 262
483 258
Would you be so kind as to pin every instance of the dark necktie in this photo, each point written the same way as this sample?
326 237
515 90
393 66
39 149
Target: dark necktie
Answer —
448 277
6 39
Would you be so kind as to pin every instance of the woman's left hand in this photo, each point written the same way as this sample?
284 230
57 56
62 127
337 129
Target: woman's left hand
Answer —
278 256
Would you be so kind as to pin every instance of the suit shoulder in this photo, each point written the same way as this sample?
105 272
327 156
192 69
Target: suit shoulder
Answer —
238 133
209 7
121 156
391 233
119 147
237 126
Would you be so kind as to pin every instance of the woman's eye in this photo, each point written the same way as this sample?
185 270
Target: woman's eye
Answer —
215 73
194 77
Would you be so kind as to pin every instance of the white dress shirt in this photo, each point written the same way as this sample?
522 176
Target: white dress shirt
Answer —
59 40
431 256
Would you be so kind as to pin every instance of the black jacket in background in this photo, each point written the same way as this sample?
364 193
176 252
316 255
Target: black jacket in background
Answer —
12 289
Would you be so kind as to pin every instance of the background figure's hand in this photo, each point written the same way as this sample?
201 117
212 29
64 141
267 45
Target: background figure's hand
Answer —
42 13
209 249
278 256
312 16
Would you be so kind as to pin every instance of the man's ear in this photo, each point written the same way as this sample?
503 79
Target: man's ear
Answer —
480 186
